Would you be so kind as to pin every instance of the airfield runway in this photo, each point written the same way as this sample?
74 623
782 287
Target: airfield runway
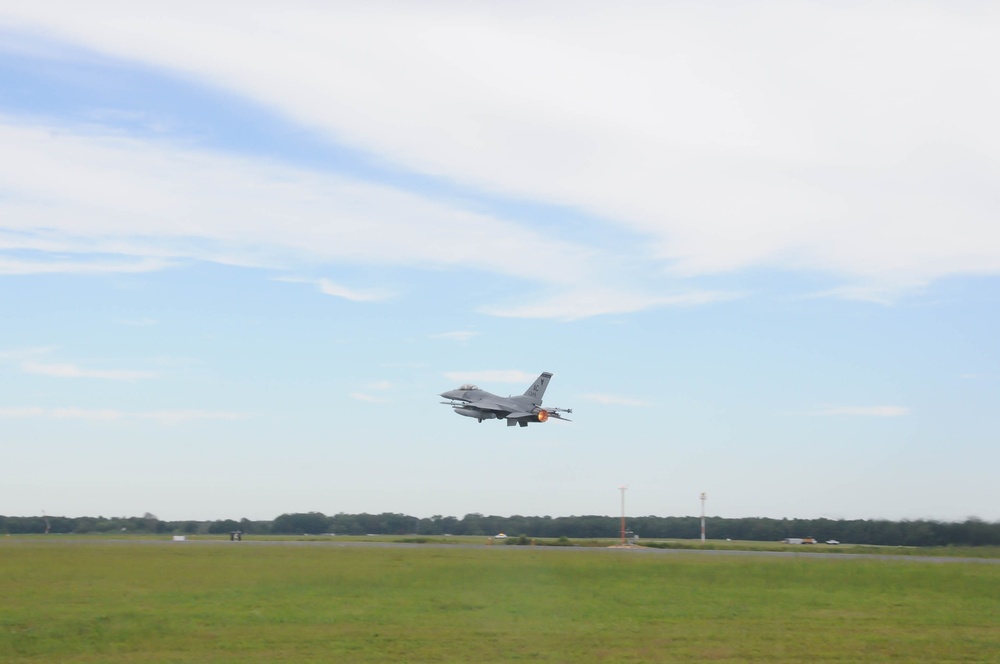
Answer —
607 550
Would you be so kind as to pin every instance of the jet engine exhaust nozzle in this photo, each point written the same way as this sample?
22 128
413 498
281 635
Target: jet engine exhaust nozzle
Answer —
543 415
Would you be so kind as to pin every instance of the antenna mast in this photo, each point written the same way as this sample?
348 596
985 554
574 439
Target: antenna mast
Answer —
622 489
703 497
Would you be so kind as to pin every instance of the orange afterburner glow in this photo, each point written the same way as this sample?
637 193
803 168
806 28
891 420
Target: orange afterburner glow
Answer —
543 415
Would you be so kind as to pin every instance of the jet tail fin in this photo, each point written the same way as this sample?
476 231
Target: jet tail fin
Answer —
537 388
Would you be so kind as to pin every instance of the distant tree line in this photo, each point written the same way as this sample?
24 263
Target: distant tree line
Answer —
971 532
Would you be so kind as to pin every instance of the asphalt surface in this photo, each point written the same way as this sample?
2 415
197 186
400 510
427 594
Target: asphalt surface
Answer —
606 550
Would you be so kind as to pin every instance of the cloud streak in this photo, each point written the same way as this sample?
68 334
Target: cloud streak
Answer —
28 361
137 198
56 370
691 132
328 287
579 303
97 266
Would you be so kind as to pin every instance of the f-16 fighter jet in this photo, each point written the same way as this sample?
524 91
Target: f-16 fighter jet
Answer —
470 401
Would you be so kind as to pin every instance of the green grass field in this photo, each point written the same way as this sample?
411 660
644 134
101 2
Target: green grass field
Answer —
147 601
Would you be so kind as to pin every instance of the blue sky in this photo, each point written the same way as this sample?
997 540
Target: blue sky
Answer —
244 247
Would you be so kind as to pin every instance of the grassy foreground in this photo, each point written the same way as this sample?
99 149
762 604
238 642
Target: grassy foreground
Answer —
148 601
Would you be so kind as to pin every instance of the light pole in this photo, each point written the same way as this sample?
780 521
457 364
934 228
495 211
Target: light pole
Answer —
622 489
703 497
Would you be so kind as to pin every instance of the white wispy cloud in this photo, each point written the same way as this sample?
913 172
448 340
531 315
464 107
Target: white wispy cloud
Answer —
17 413
692 130
94 414
328 287
884 293
867 411
33 361
87 192
57 370
583 303
23 354
97 266
615 400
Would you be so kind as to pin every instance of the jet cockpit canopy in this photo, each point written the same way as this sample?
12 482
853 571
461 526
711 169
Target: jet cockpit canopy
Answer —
468 386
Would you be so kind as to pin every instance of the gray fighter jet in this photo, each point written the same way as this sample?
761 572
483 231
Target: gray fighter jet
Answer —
470 401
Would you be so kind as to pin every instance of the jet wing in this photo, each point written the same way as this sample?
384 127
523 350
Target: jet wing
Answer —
489 405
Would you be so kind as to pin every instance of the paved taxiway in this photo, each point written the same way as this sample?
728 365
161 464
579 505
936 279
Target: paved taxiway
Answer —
606 550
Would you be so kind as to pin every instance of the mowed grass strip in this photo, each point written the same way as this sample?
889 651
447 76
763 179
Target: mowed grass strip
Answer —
240 602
